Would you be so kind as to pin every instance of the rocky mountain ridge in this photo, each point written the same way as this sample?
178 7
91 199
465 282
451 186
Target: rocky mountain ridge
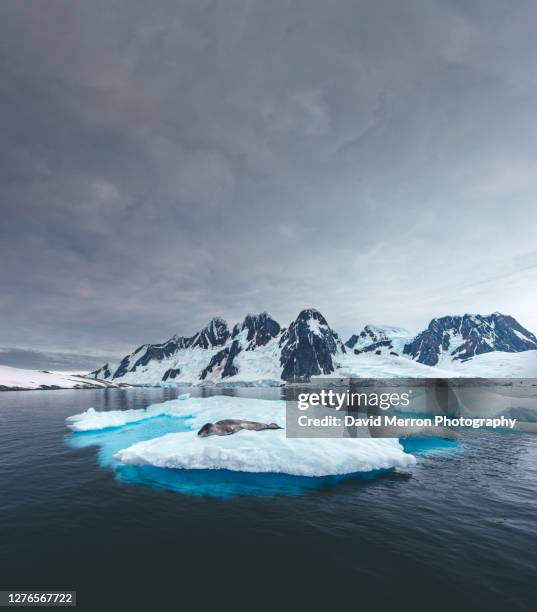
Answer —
259 349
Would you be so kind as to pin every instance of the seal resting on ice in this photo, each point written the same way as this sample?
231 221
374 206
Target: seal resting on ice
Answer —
231 426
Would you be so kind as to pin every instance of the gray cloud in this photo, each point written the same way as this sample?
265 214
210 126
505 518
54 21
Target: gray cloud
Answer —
45 360
163 164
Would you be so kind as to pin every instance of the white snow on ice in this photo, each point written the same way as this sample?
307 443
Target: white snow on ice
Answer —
92 420
246 451
267 451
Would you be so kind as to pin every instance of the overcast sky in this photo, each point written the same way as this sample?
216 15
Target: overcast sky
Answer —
165 162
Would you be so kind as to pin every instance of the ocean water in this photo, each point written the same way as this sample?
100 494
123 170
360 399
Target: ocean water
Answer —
458 531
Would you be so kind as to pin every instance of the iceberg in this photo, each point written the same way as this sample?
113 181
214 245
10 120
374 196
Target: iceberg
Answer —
92 420
198 411
267 451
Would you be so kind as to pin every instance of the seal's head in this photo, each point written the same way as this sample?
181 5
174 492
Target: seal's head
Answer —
273 426
206 430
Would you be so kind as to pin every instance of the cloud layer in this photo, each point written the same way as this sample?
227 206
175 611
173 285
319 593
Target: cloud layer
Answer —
163 164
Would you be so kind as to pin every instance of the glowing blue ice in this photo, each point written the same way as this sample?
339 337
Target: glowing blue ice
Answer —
215 483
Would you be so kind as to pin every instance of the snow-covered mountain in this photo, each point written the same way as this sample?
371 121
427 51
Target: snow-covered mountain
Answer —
381 340
160 362
461 338
258 350
308 347
255 332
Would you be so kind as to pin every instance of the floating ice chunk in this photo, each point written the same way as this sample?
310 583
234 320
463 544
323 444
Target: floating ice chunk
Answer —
267 451
246 451
199 410
92 420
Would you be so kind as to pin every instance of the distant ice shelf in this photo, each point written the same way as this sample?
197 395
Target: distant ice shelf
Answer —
18 379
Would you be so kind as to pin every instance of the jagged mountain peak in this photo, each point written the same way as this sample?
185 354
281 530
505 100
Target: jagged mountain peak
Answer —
215 333
216 320
378 339
310 313
308 346
258 330
315 321
461 337
257 315
255 331
259 349
375 333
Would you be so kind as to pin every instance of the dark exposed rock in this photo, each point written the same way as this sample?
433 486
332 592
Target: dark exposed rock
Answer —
214 334
373 337
352 340
308 347
373 347
469 335
225 357
102 372
215 362
158 352
171 373
261 328
230 369
124 365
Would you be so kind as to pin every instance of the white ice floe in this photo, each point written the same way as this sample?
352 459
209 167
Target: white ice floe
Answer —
268 451
92 420
246 451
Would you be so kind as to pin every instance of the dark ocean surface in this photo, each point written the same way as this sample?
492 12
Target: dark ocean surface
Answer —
457 532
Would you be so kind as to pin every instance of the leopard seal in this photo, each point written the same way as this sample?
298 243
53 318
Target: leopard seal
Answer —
227 427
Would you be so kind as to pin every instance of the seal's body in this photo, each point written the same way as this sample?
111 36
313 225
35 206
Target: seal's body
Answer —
231 426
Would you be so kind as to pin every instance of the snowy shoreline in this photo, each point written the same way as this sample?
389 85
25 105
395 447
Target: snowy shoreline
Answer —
4 389
18 379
